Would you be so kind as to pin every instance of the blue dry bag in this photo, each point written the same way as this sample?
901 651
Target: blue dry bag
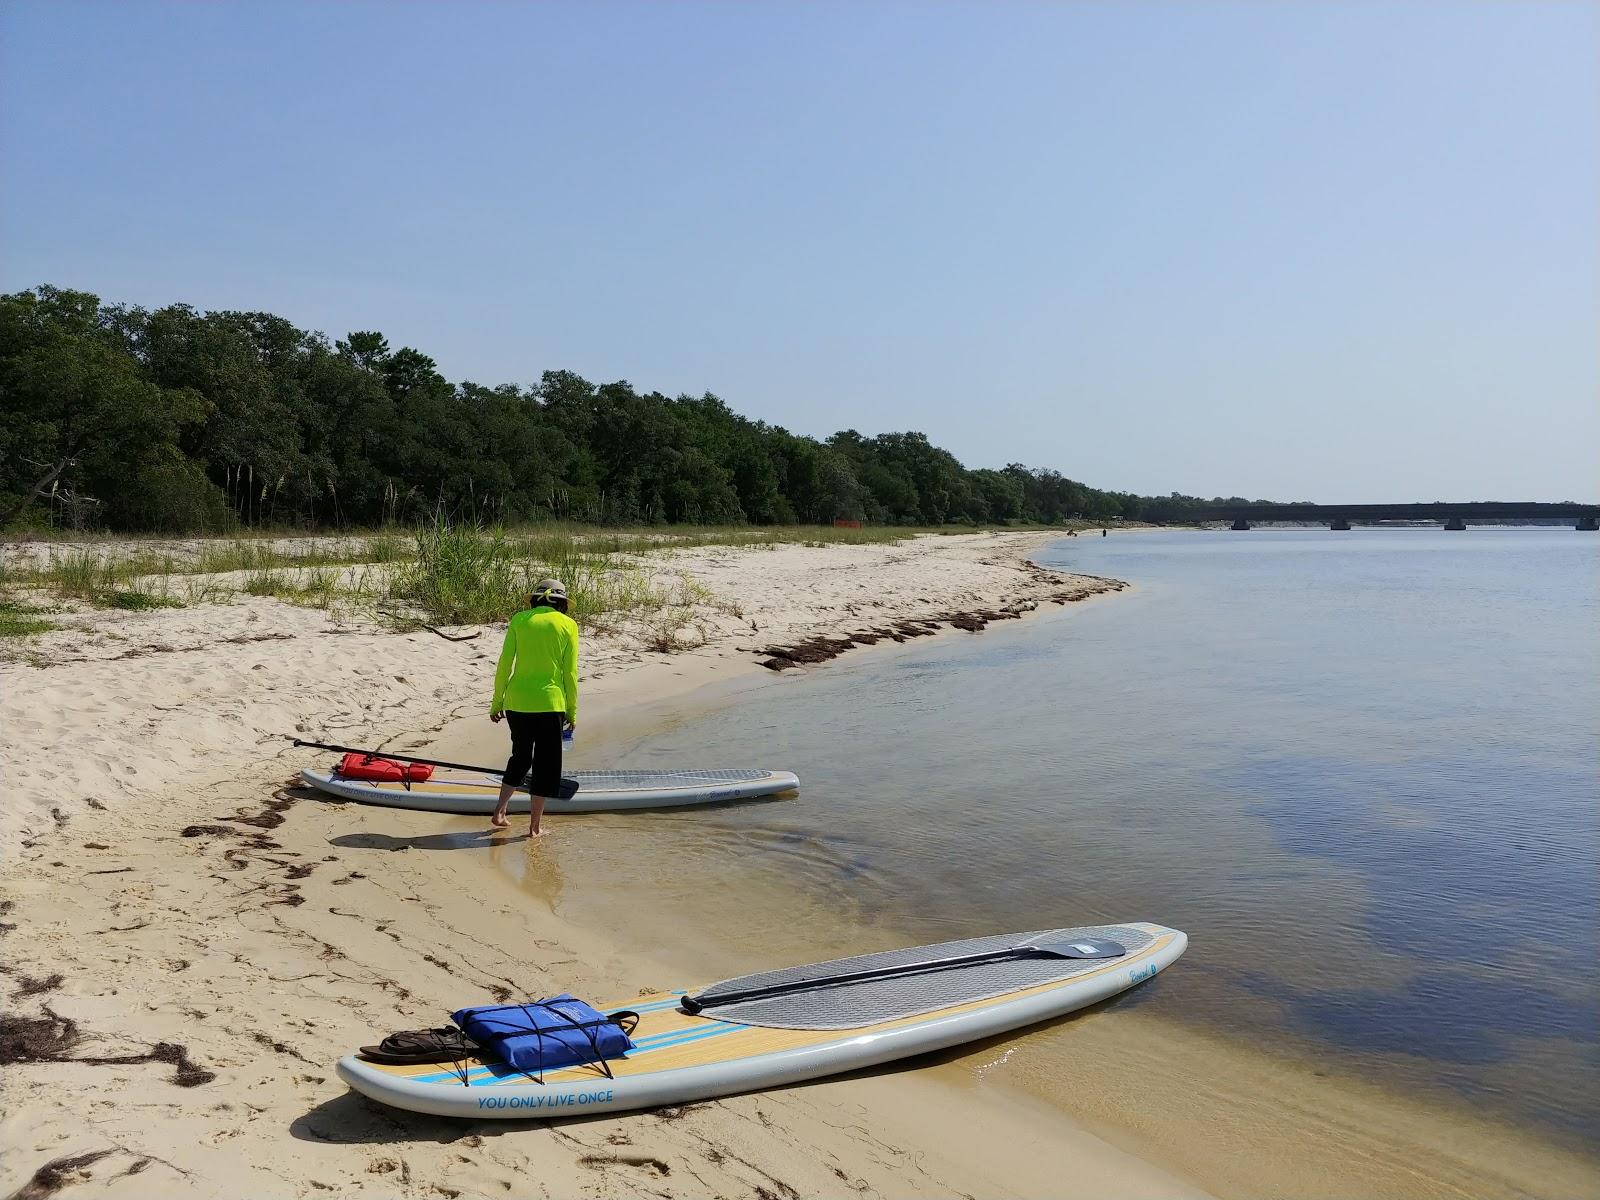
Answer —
561 1031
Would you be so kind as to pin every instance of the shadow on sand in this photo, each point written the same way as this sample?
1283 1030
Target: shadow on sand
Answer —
355 1119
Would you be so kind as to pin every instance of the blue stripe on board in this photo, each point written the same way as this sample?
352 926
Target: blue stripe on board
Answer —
653 1006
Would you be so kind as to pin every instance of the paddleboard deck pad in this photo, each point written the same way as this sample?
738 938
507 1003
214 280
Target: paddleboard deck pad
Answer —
598 791
812 1029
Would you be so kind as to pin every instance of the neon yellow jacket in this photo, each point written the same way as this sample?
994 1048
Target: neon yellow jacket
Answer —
538 669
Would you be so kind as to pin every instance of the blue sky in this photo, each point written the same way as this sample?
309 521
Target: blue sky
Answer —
1332 251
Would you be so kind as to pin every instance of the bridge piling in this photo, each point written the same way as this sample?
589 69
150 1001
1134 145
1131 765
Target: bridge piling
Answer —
1241 523
1339 523
1455 525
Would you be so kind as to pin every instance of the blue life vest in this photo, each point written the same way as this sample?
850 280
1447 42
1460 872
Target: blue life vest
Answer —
561 1031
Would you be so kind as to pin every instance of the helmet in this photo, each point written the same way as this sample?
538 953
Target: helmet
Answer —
548 589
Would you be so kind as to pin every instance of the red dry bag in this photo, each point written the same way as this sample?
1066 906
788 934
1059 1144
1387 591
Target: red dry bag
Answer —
382 770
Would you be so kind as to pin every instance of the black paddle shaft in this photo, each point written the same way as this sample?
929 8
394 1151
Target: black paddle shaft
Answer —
569 787
431 762
1095 947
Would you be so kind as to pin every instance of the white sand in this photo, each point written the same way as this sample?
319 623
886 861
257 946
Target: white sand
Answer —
265 951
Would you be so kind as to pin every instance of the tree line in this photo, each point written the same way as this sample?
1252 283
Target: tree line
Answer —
175 420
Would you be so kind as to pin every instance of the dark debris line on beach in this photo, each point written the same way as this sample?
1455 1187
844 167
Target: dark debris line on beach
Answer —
822 648
57 1173
51 1038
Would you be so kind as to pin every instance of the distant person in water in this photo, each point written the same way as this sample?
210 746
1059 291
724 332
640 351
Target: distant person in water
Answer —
536 691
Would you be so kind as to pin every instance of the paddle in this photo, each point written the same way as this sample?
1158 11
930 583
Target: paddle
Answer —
569 787
1079 948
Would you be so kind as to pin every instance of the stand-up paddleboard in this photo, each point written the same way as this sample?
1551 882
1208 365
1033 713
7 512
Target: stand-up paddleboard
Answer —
598 791
780 1027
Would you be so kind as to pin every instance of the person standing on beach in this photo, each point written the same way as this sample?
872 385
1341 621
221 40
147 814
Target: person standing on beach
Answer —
536 691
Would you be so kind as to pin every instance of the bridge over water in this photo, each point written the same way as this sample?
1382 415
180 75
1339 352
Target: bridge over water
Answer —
1340 516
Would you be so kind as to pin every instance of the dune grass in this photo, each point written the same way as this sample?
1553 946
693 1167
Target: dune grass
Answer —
101 582
19 619
441 573
688 536
91 567
313 587
135 601
461 575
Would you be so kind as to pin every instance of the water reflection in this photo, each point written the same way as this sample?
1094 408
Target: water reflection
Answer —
1359 771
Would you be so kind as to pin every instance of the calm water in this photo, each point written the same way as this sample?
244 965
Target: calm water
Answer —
1360 770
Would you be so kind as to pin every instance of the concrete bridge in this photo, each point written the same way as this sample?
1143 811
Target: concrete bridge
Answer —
1340 516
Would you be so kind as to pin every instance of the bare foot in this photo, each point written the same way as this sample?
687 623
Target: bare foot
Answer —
499 821
535 832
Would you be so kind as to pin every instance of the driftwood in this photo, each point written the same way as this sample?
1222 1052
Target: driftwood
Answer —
466 637
40 488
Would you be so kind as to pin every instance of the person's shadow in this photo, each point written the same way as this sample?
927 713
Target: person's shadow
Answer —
468 839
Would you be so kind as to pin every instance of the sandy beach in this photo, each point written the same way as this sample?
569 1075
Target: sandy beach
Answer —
190 942
189 948
1069 532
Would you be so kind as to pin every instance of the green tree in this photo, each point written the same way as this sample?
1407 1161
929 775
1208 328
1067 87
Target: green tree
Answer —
242 416
74 402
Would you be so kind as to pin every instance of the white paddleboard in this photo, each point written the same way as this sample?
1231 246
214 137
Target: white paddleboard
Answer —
598 791
681 1057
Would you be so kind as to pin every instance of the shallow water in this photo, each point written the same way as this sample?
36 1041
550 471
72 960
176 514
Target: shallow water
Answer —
1360 769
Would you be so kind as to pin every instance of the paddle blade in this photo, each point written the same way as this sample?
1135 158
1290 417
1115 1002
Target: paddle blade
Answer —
568 788
1078 948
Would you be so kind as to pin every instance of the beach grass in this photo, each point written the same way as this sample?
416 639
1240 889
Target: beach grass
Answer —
309 587
84 569
79 576
20 619
440 573
135 601
102 582
130 557
463 575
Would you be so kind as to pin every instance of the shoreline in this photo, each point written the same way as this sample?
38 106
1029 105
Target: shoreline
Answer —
178 1005
1232 1116
254 939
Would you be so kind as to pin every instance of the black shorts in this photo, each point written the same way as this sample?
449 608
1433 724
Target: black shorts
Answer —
535 743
